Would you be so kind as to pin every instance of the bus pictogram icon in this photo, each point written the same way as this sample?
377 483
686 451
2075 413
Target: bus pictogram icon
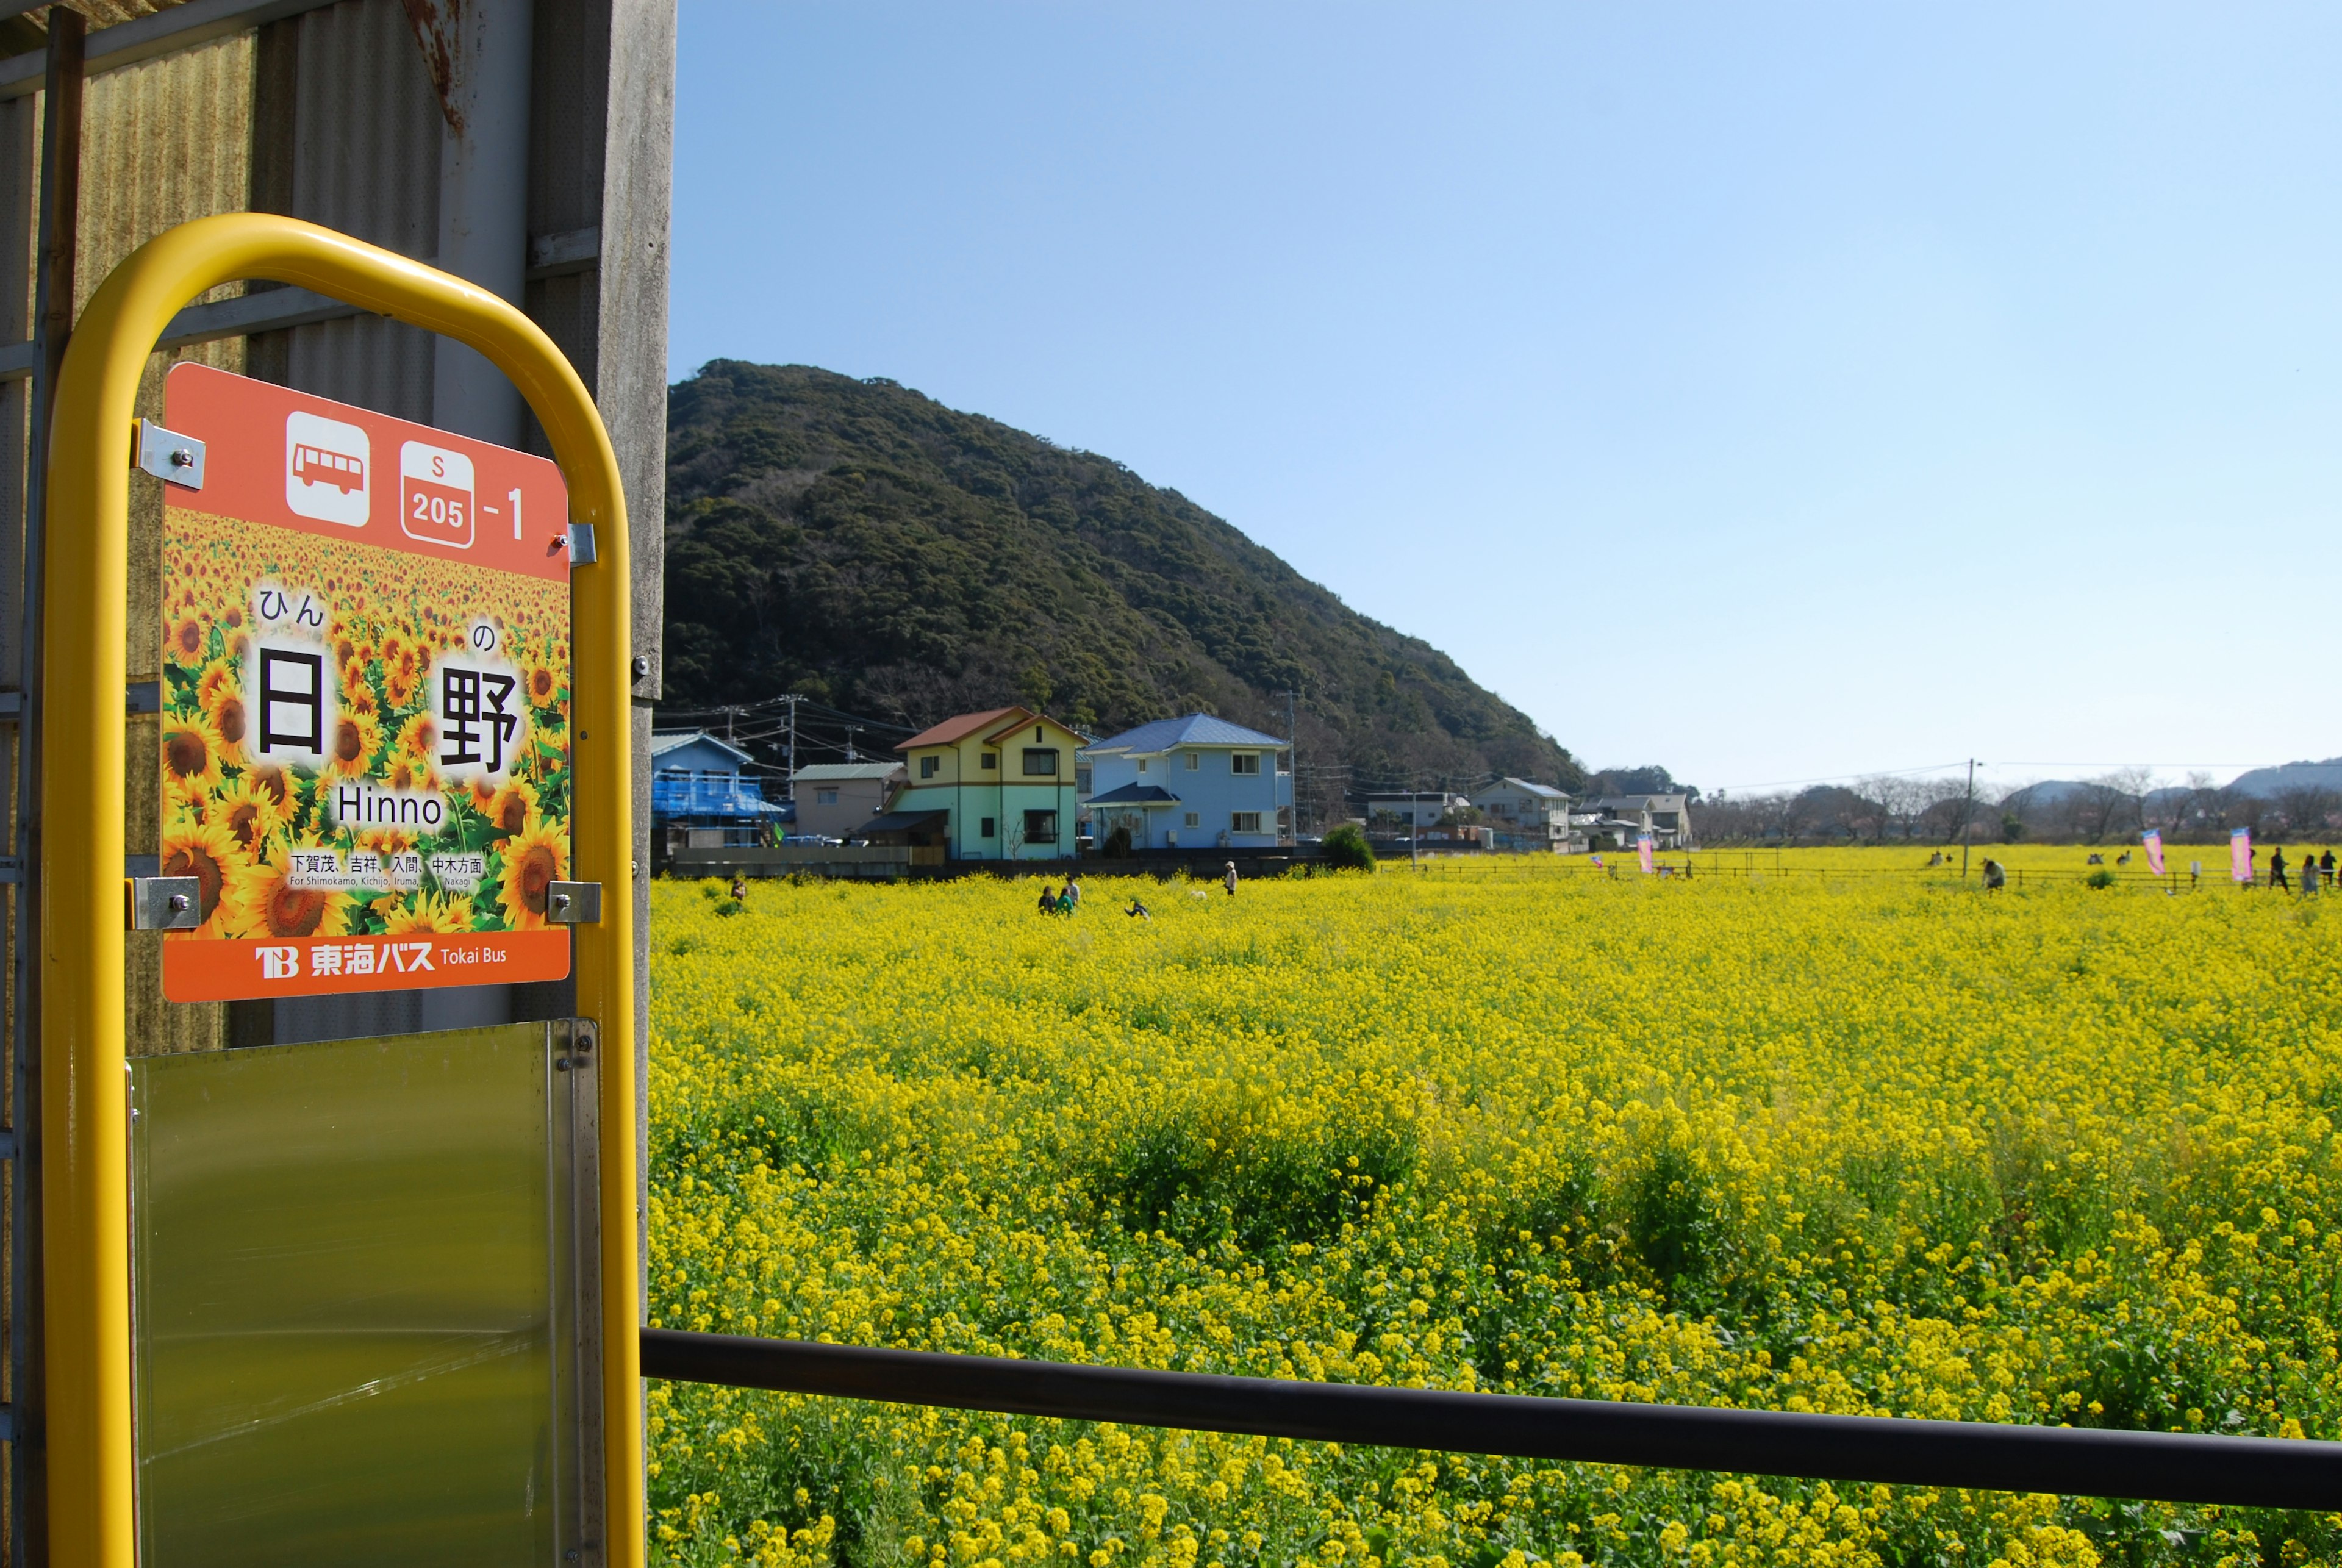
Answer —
328 470
316 466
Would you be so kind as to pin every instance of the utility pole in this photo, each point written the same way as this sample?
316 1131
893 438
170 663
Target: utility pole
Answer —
1292 762
1968 821
850 730
789 784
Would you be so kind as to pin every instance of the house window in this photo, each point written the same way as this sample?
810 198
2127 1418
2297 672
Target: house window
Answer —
1193 820
1195 761
1244 822
1040 827
991 759
1142 764
1244 763
986 830
824 798
928 767
1040 762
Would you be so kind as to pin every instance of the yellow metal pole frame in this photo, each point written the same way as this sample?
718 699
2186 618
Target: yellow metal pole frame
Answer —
84 1121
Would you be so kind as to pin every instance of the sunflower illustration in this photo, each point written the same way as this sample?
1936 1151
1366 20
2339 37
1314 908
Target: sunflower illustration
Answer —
534 861
432 911
207 852
192 751
218 677
514 806
419 738
223 705
542 683
356 737
270 905
251 810
409 772
184 641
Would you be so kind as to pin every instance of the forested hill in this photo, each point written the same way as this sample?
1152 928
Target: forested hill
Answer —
861 544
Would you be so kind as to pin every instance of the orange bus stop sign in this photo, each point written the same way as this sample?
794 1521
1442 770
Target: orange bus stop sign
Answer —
365 756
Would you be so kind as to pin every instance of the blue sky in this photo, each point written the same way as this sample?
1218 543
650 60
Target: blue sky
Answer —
1772 393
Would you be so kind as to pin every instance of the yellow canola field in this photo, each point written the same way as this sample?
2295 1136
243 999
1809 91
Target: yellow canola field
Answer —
1841 1140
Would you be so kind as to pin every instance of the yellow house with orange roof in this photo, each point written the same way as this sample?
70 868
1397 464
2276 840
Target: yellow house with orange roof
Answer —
994 786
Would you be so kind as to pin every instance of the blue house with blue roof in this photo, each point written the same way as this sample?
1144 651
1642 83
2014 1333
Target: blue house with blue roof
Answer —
1191 783
700 787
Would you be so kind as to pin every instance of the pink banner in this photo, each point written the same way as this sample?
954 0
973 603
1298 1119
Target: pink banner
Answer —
2240 855
2154 841
1643 848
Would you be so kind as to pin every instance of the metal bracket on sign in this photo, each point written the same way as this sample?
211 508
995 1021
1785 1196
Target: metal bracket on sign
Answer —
164 903
573 904
581 544
169 456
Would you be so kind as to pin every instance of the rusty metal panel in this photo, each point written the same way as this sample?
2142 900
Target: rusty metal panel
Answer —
164 141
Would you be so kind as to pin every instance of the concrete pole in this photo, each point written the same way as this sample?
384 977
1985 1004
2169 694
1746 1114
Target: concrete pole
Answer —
482 197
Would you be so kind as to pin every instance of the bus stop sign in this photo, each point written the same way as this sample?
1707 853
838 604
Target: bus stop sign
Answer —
365 746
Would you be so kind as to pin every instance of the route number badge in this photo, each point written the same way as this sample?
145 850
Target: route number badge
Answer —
365 700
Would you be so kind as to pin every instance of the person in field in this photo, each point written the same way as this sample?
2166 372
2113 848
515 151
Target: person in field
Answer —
1231 879
1066 900
2325 865
1072 893
2308 873
1138 911
1994 878
2277 869
739 888
1048 899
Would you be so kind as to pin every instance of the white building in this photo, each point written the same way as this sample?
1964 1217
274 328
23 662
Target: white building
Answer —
1665 817
836 799
1525 816
1423 808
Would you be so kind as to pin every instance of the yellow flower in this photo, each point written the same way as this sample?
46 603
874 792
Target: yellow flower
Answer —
269 904
192 755
183 641
432 911
535 859
209 853
356 737
514 807
251 808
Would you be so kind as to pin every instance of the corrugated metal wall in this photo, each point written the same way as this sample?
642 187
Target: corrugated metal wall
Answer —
345 91
329 115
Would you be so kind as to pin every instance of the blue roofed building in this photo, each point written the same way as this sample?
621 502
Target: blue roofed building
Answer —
701 796
1191 783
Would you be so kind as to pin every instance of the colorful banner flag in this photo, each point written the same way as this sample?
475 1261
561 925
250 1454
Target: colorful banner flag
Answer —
1643 848
1597 863
2154 841
2240 855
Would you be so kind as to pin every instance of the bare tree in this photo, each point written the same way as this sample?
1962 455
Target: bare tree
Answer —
2307 809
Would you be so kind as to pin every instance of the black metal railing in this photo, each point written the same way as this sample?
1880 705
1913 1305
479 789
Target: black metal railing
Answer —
2085 1462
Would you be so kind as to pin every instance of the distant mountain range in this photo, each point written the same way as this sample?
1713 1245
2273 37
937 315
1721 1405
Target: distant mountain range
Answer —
2261 784
2267 784
863 545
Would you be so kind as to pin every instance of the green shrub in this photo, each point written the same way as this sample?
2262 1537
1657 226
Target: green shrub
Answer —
1346 849
2102 877
1117 843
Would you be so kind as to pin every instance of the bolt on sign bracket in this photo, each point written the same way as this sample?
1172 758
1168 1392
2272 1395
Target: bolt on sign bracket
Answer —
165 902
167 454
91 1454
573 902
